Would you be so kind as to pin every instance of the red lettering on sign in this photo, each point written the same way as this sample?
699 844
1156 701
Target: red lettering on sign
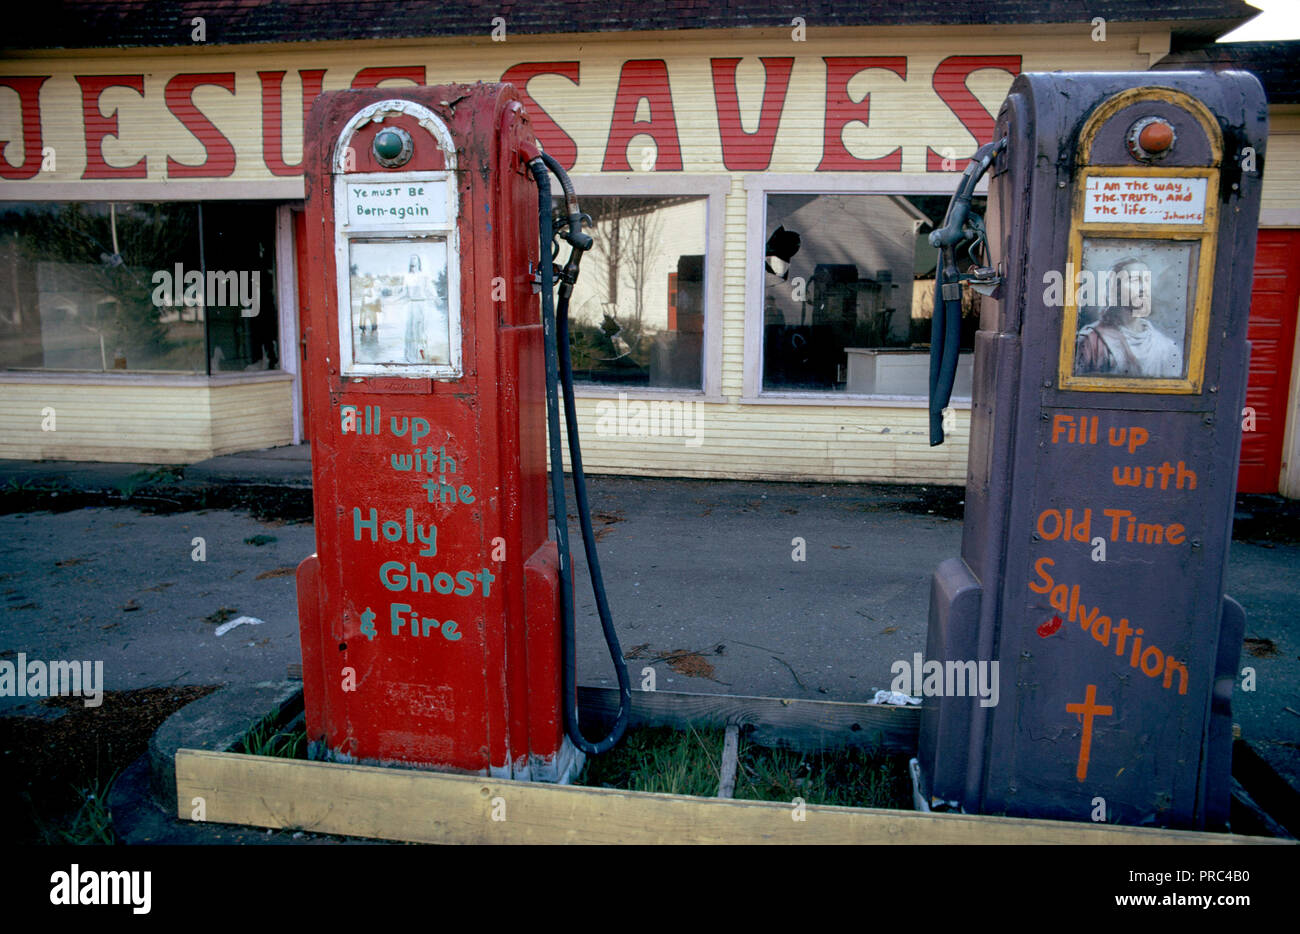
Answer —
29 104
273 116
98 126
373 77
643 78
841 110
744 151
179 94
553 139
950 84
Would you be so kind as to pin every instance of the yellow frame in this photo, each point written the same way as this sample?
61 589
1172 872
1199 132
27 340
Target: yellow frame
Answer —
1206 234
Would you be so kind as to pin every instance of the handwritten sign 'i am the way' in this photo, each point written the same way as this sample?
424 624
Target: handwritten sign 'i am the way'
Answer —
1120 199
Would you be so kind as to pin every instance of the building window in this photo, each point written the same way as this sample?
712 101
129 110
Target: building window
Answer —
848 294
638 313
180 287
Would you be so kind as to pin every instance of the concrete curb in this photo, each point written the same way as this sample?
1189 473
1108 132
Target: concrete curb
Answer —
215 723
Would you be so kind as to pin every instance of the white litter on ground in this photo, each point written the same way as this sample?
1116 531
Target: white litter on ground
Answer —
895 697
238 621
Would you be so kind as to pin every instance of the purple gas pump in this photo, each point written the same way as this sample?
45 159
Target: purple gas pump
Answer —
1110 375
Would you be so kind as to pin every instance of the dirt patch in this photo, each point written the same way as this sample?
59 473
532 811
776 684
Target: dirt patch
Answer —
603 523
691 664
942 502
51 759
1260 648
265 503
1266 520
686 662
221 615
286 571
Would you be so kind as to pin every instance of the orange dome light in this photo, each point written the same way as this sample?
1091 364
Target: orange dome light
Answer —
1156 137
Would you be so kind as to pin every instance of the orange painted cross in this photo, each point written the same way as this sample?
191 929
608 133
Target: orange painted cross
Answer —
1089 708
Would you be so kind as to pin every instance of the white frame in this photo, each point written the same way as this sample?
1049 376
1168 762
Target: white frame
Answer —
715 188
286 268
757 187
396 232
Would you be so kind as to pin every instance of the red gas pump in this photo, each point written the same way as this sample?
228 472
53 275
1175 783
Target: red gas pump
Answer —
436 617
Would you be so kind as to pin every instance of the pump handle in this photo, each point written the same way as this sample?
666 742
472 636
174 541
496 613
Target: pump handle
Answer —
945 322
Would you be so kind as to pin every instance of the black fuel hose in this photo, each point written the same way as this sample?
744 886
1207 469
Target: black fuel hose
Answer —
575 236
555 333
945 320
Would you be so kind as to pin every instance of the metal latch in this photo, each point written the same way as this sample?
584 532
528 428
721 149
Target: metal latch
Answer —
984 279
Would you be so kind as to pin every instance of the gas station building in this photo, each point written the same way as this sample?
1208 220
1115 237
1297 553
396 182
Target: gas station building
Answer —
761 184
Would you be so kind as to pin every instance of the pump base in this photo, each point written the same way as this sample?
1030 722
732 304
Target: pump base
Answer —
560 769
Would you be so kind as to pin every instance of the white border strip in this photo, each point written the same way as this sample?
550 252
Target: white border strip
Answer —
217 189
286 293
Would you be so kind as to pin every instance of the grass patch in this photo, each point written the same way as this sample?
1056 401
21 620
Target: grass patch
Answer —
142 479
686 763
659 759
271 738
31 486
848 777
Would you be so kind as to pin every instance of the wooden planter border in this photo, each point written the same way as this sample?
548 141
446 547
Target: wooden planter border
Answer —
435 807
793 723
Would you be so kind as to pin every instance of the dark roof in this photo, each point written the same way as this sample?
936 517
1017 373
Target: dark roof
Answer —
1276 64
74 24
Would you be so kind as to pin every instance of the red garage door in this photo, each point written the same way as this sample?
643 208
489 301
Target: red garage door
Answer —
1273 302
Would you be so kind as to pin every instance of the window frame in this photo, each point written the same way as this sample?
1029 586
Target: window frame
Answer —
715 188
150 192
757 188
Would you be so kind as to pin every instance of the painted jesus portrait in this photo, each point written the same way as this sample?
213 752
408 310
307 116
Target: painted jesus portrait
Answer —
1134 322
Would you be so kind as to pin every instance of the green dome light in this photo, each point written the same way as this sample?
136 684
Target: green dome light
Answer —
388 145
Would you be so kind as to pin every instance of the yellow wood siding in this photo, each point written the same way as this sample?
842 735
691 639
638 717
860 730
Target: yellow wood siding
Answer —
250 416
772 442
903 111
171 424
1282 165
875 442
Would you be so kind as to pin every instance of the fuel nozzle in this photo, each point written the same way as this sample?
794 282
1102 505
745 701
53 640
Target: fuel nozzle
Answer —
574 236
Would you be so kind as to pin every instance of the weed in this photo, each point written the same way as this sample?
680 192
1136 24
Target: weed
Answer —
850 777
32 486
659 759
91 825
166 474
687 763
268 738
